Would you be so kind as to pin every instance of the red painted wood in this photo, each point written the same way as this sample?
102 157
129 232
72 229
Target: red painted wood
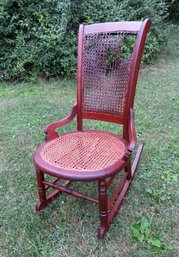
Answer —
139 46
50 129
71 192
51 196
53 181
116 192
103 117
42 202
128 170
131 26
131 131
79 76
137 158
103 208
107 210
65 183
109 182
133 76
117 205
41 187
75 174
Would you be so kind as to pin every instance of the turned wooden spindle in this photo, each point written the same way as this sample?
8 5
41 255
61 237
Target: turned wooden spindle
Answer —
103 208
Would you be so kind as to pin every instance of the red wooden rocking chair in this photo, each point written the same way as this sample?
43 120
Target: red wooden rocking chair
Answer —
106 83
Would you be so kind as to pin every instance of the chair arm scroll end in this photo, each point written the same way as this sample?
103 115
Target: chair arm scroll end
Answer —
50 130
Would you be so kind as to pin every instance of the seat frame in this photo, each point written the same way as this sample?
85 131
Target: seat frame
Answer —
108 209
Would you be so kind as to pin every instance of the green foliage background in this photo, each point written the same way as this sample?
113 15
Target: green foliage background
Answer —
173 9
39 38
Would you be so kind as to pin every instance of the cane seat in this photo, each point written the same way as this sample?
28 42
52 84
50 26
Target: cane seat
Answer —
84 153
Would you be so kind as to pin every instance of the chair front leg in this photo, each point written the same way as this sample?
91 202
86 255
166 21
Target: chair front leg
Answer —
103 208
42 203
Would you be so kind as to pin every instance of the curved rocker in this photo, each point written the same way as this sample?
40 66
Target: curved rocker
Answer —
106 84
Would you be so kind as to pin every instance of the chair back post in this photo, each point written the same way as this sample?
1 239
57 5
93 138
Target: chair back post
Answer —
136 59
132 28
79 77
134 71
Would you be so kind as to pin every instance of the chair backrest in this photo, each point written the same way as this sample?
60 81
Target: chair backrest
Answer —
109 56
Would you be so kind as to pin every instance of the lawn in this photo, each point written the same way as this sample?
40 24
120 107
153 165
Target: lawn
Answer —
147 223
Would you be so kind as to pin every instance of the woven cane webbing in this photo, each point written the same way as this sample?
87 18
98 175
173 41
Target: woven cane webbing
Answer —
83 151
105 73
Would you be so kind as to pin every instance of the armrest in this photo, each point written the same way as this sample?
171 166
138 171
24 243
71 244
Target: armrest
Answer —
131 131
50 129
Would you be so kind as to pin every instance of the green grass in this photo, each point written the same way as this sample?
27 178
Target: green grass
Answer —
147 223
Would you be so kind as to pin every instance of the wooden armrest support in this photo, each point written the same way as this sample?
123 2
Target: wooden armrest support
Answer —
50 129
131 131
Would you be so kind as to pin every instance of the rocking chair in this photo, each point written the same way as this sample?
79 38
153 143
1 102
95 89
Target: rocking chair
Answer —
108 66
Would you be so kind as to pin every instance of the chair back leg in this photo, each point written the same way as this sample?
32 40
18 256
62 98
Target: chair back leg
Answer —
129 171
